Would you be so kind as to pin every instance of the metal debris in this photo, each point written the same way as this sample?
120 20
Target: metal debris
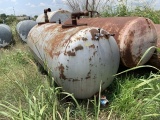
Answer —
103 100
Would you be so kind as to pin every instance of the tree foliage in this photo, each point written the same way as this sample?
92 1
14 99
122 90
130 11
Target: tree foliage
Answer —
3 16
10 19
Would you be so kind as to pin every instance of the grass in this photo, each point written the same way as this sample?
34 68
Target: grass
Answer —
131 98
26 93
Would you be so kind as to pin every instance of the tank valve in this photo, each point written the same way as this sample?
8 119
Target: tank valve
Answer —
77 15
74 17
59 21
46 16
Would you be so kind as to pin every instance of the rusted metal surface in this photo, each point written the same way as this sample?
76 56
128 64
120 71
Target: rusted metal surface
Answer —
158 34
134 36
5 35
79 58
155 59
74 17
23 28
55 16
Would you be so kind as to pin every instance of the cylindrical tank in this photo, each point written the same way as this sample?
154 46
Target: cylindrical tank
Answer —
55 16
79 58
134 36
155 59
5 35
23 28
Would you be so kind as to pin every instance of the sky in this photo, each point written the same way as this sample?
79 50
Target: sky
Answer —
29 7
36 7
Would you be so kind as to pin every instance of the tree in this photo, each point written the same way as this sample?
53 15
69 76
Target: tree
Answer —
24 15
3 16
35 17
80 5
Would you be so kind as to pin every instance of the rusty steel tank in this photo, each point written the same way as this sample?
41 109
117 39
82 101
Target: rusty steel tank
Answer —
23 28
55 16
134 36
5 35
79 58
155 59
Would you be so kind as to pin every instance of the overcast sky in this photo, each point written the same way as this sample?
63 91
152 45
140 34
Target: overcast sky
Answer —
36 7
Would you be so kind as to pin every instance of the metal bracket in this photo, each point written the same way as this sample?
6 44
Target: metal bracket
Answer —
77 15
71 25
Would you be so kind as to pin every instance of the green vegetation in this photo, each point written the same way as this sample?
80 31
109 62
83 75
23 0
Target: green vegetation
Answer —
124 10
7 19
26 93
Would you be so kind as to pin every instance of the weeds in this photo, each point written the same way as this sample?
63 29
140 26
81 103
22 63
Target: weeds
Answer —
122 8
130 97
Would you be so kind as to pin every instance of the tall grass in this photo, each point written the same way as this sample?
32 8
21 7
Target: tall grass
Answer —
125 9
132 96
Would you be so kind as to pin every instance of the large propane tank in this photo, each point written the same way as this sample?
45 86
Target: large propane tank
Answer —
55 16
155 59
5 35
134 36
80 58
23 28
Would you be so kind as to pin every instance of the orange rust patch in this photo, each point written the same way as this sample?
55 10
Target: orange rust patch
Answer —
127 55
79 38
52 27
88 75
106 35
110 24
59 40
57 54
103 32
94 53
79 48
61 69
84 39
93 31
70 53
92 46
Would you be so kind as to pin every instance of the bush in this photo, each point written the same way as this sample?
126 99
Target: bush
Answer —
124 10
